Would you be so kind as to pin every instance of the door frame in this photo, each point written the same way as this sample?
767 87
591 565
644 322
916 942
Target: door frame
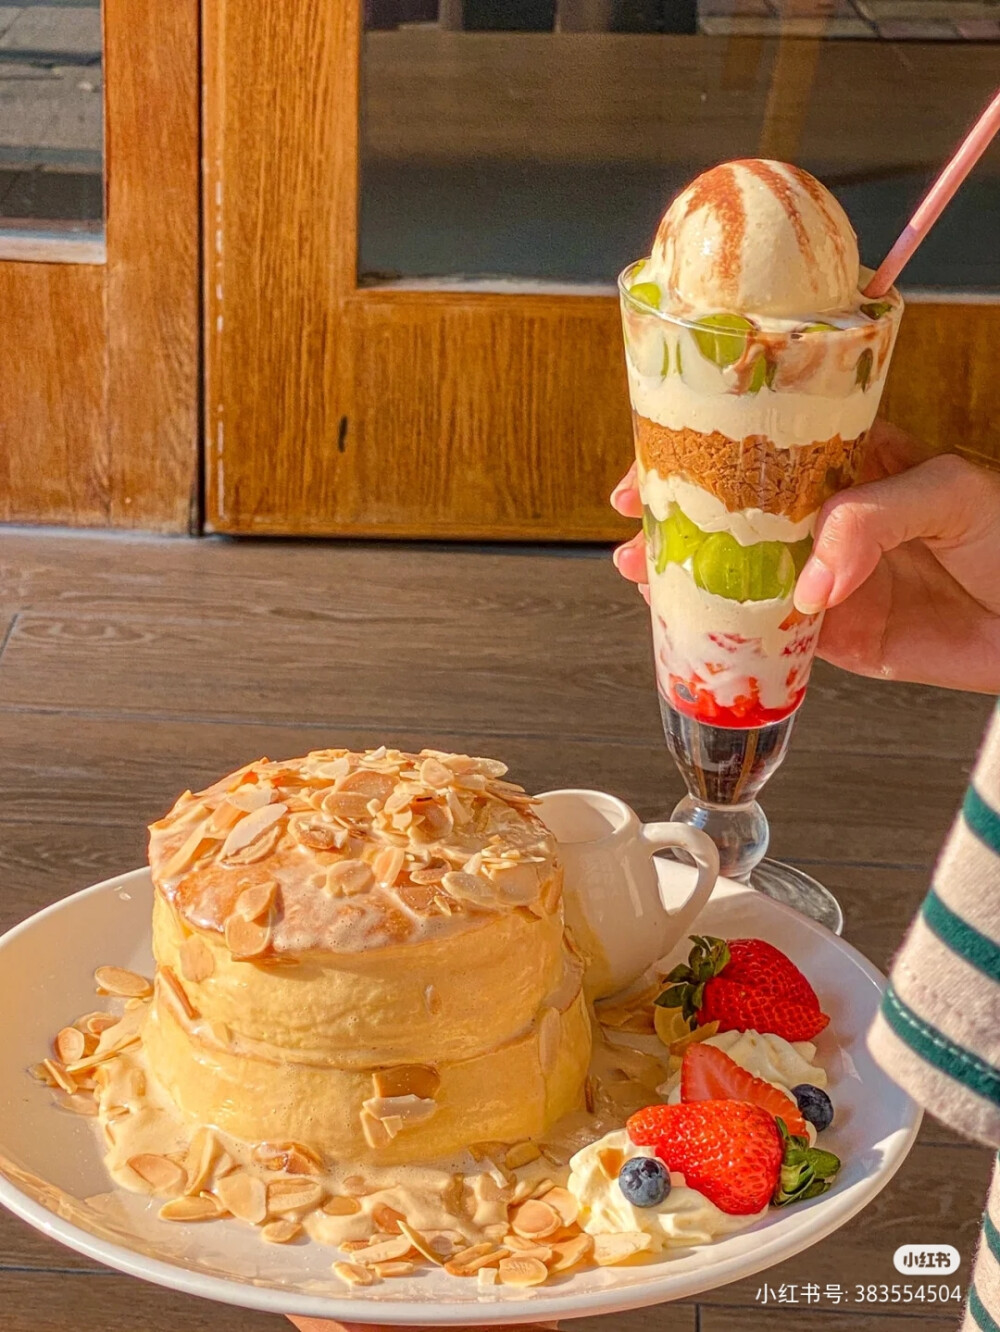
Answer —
100 345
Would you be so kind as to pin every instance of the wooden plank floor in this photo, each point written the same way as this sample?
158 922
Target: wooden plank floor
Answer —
130 669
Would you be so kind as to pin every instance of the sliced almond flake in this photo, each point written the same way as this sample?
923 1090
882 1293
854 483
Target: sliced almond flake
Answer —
292 1157
409 1108
80 1104
225 816
522 1191
396 1268
407 1080
521 1154
346 805
280 1232
244 1195
370 785
525 1248
247 938
58 1076
353 1245
403 820
461 812
444 904
375 1130
611 1160
194 957
470 888
256 901
542 1187
522 1271
258 850
471 781
122 983
70 1045
549 1034
201 1208
434 773
569 1253
421 1243
200 1158
348 878
487 1276
251 798
293 1195
354 1274
356 1186
173 985
340 1206
194 846
702 1033
563 1202
99 1017
159 1172
514 883
317 834
250 827
385 1251
417 896
534 1220
388 864
473 1260
610 1250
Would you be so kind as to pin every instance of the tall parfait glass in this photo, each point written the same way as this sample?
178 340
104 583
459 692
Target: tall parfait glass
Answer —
743 428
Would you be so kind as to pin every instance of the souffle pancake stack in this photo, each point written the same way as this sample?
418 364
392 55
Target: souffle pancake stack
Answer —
364 953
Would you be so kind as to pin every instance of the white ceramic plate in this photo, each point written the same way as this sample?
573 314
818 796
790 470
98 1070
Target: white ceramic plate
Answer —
50 1161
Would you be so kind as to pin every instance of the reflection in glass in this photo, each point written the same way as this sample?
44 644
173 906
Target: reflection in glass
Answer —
540 139
51 152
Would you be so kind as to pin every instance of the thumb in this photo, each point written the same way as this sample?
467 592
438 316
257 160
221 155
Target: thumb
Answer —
938 502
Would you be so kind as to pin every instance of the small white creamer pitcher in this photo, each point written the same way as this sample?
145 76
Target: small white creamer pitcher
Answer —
616 904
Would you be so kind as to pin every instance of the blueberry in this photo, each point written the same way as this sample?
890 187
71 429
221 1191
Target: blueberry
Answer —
814 1105
644 1181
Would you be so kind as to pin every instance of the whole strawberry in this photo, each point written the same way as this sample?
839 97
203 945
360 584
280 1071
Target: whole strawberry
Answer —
744 985
730 1151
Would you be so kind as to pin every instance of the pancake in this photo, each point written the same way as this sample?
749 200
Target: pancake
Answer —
365 954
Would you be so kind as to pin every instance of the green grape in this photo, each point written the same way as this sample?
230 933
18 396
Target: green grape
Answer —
725 346
646 293
763 373
819 328
876 309
863 372
680 539
761 572
680 368
800 553
665 367
651 531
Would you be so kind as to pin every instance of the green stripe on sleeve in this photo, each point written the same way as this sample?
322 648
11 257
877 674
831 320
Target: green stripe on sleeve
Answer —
992 1236
939 1051
961 937
980 1313
982 819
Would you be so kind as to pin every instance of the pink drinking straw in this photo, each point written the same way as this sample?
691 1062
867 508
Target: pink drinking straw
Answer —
937 199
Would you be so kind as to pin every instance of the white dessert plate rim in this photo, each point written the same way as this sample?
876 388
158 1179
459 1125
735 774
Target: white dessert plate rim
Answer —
404 1301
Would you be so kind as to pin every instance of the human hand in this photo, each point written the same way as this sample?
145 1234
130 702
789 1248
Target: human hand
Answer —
907 563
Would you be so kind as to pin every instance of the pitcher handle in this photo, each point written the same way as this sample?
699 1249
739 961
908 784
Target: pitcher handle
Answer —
702 851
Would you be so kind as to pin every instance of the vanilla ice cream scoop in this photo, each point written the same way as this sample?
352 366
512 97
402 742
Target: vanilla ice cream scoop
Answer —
759 238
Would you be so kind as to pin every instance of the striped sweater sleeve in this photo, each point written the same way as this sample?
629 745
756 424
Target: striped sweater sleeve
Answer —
938 1031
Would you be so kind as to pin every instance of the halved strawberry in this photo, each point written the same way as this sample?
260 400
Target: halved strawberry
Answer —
730 1151
709 1074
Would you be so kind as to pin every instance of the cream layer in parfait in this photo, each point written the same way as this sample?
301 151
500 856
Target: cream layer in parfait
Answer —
755 370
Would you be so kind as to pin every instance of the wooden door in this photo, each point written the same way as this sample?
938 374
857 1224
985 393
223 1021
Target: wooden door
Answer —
99 336
338 407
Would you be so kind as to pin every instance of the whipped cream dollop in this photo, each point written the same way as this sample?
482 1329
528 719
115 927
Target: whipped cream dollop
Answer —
684 1217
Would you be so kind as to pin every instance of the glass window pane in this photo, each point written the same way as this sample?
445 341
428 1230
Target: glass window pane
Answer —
51 149
541 139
